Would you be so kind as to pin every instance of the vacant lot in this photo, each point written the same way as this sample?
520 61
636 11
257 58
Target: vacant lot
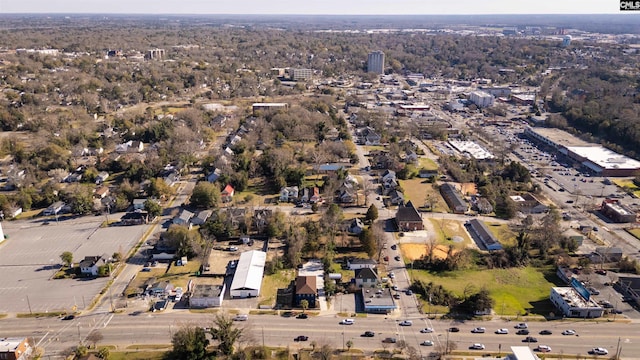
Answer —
503 233
416 251
417 190
515 291
628 185
427 164
451 232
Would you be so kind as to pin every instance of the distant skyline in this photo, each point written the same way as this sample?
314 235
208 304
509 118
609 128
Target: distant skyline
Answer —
313 7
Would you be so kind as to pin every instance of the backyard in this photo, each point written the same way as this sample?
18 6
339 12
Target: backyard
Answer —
418 190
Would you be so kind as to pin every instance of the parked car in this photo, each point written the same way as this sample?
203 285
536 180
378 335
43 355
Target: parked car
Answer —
502 331
301 338
569 332
426 330
478 330
427 343
406 323
368 333
477 347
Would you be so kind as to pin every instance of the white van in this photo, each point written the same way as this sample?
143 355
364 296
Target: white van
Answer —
241 317
347 322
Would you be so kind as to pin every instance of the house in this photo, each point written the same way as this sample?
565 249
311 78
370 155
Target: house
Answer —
162 256
529 204
289 193
388 176
315 195
408 218
347 196
201 217
207 296
306 289
130 146
366 277
13 212
453 198
14 348
90 264
101 192
135 218
482 233
261 218
356 226
368 136
171 177
71 178
305 194
54 208
183 218
329 168
214 175
606 254
138 204
360 263
411 158
396 197
236 216
101 177
227 193
484 206
427 174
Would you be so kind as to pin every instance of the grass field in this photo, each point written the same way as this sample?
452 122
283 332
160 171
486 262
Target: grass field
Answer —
136 355
271 284
257 193
427 164
515 291
417 189
178 276
635 232
628 185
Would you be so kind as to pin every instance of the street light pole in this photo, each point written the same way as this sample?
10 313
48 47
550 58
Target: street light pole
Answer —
342 341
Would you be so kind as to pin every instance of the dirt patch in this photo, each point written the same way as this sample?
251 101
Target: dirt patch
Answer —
416 251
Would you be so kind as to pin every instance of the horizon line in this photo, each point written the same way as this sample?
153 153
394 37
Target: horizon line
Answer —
625 13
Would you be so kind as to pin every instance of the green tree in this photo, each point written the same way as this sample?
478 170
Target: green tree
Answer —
304 304
205 195
153 208
159 188
189 343
227 334
67 258
104 353
368 241
188 242
349 345
372 213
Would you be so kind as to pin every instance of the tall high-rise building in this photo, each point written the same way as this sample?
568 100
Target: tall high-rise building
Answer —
375 62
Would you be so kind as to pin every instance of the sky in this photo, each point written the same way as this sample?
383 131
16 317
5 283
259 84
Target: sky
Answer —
319 7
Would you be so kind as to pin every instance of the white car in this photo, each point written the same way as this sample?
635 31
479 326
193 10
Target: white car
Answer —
599 351
522 326
347 322
426 330
406 323
502 331
427 343
543 348
478 330
477 347
569 332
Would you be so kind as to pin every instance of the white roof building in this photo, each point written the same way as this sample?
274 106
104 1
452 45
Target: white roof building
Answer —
248 277
470 148
599 158
522 353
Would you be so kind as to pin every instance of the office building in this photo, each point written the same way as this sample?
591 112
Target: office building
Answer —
375 62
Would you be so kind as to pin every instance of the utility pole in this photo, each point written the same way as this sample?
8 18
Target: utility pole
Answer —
29 304
343 341
263 337
618 350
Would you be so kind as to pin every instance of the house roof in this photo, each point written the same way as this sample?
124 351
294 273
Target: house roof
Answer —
228 190
408 212
89 261
366 273
11 344
362 261
306 285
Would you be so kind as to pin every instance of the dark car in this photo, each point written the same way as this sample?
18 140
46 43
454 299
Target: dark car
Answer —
529 339
69 317
368 334
545 332
301 338
522 332
390 340
393 247
454 329
397 257
302 316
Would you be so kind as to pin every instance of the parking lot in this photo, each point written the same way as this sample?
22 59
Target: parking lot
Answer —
31 255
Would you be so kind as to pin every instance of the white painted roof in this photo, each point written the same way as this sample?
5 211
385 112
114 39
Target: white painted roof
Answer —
249 270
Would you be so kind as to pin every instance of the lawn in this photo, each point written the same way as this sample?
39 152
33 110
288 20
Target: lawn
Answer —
427 164
635 232
628 185
417 190
271 284
178 276
503 233
447 229
137 355
257 193
515 291
312 180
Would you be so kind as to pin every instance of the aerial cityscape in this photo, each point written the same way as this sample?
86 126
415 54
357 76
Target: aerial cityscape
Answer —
319 185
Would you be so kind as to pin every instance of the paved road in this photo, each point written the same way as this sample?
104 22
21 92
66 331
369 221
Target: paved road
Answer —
125 330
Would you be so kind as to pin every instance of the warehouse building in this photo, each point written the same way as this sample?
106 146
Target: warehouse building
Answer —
248 277
482 233
575 301
206 296
453 198
616 211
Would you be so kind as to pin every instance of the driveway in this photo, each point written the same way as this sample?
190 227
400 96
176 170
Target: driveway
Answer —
314 268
